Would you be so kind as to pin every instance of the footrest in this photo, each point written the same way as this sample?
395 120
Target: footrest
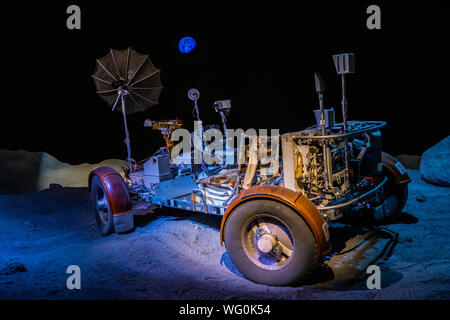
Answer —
123 223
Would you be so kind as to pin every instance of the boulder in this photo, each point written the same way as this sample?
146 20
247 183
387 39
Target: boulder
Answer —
435 164
22 171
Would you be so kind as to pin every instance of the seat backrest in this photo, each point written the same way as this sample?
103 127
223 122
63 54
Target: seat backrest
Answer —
262 153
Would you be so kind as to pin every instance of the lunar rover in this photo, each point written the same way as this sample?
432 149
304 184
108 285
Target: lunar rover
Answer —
275 214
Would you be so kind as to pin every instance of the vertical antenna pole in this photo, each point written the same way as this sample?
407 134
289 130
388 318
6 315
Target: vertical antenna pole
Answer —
127 136
345 63
344 120
344 104
193 95
320 88
324 141
196 109
224 123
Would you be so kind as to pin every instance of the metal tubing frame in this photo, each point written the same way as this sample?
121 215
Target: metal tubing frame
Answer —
341 205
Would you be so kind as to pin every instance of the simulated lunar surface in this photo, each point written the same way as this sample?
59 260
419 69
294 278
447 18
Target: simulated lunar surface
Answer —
175 254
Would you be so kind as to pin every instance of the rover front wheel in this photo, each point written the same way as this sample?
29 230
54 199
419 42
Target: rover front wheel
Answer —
270 243
101 207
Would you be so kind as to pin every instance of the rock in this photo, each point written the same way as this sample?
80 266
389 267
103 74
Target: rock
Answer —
30 225
13 267
409 161
55 186
22 171
435 164
421 198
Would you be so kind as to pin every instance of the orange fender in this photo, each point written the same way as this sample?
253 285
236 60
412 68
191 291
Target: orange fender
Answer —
389 163
115 188
296 201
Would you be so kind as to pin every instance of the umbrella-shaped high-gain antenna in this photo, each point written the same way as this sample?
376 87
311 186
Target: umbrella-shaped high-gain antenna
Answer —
130 77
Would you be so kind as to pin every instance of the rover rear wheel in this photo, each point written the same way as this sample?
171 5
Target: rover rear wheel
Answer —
101 207
398 190
270 243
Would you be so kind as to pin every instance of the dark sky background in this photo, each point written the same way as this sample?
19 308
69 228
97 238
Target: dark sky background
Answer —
263 58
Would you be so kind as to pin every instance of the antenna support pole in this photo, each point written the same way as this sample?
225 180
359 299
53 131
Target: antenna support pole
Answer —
122 94
344 63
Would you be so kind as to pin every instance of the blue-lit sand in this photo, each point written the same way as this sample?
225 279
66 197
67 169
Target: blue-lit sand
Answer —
177 255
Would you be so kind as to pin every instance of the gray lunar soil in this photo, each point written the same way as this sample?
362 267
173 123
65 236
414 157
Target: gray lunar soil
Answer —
175 254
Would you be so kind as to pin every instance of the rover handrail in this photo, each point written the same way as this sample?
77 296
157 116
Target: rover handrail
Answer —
372 126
